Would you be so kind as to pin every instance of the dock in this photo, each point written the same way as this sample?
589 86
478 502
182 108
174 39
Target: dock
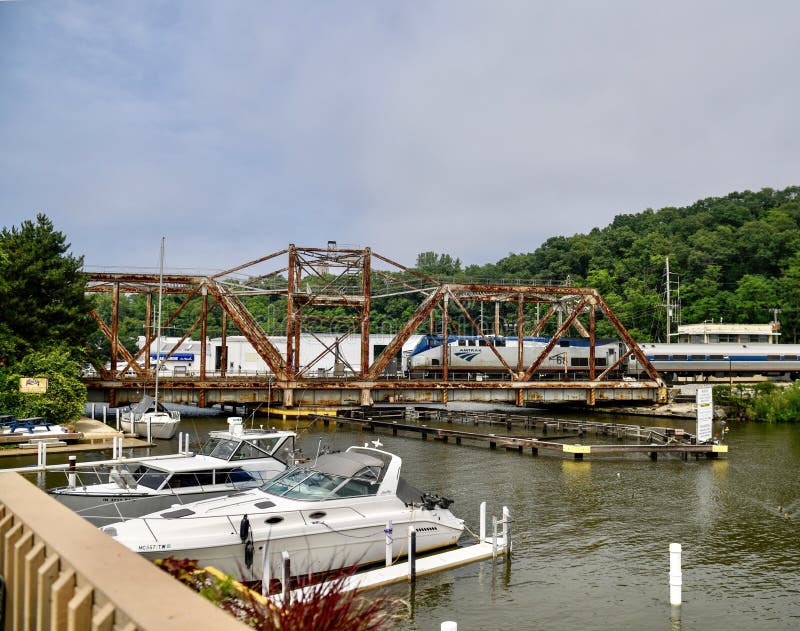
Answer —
89 435
651 441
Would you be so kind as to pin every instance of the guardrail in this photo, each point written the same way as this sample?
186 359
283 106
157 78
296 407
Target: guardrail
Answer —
60 572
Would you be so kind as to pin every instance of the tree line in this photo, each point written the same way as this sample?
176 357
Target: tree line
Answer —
734 259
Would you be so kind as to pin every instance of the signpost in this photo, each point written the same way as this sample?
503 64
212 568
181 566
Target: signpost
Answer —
705 415
34 385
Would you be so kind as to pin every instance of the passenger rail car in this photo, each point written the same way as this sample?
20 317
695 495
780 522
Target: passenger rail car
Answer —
773 361
473 356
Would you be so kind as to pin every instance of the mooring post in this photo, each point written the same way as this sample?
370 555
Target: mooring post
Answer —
507 530
72 475
388 532
494 536
92 411
412 554
482 530
286 572
105 414
449 625
675 574
265 570
118 428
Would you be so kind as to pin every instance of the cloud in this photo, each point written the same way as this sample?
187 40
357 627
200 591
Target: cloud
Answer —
460 127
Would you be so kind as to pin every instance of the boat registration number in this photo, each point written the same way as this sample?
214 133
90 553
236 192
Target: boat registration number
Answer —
154 547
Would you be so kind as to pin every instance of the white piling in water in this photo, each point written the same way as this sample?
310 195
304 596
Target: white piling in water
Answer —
412 554
266 578
675 574
388 531
449 625
494 536
507 530
118 426
482 531
92 411
286 574
149 431
105 414
73 476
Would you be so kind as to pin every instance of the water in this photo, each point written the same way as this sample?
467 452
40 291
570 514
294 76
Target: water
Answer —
591 539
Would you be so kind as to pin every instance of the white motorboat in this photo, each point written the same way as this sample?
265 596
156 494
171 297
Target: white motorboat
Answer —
230 461
327 515
150 418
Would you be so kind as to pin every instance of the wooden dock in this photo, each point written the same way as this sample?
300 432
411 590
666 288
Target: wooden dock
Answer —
651 441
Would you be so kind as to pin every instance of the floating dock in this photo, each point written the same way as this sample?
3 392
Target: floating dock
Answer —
658 440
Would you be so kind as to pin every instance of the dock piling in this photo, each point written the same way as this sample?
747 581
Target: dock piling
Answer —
482 531
286 573
72 477
412 554
675 574
388 532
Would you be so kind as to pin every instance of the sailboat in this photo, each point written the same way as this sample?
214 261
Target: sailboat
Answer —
148 418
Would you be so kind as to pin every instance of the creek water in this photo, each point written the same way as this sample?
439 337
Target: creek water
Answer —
591 538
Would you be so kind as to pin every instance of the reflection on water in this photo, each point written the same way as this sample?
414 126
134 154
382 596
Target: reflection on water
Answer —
591 538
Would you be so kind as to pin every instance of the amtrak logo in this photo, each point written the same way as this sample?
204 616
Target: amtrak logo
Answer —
467 354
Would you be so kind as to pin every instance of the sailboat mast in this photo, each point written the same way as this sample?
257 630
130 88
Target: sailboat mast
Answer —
158 317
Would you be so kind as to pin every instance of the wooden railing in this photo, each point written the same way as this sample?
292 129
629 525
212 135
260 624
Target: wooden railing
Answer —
60 572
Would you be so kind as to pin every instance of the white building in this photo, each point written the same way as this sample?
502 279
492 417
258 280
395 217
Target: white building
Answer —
718 332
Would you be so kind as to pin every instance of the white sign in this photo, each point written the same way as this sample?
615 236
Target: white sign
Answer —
705 414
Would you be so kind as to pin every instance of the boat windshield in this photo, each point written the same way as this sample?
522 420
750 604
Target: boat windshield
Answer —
226 449
151 478
310 485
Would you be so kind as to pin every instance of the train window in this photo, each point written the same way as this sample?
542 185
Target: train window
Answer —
716 358
678 358
600 361
773 358
696 358
472 343
434 362
660 358
563 342
579 361
462 342
481 342
499 342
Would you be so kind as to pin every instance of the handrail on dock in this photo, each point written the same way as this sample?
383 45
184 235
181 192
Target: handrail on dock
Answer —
60 572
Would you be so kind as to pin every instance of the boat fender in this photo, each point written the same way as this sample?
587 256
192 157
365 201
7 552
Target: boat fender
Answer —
249 550
244 528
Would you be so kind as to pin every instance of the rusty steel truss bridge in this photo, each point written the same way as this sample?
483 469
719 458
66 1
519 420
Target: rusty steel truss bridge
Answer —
347 282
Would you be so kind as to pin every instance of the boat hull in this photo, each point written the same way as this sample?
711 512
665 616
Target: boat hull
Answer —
321 548
162 430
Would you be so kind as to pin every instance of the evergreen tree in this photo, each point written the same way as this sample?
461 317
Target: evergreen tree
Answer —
41 290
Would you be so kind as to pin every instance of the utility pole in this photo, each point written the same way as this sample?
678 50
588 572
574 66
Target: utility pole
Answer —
670 303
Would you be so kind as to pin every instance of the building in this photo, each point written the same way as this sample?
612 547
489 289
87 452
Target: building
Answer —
719 332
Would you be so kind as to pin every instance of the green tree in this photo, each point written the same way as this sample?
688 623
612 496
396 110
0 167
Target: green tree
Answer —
42 291
65 394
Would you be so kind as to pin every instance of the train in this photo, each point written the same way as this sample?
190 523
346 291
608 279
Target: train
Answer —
472 357
777 362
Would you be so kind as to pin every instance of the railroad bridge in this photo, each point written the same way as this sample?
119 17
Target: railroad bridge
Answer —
347 289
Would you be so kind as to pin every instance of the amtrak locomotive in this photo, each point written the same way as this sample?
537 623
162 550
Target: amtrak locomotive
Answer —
468 355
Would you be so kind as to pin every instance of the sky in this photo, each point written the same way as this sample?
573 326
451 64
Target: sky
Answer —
471 128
